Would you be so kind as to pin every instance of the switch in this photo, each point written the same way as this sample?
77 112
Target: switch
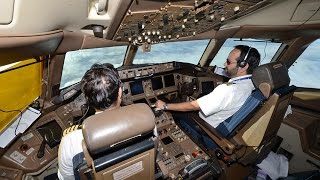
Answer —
165 19
187 158
195 153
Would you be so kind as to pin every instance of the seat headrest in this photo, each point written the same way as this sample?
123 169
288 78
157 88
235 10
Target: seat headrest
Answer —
103 130
270 76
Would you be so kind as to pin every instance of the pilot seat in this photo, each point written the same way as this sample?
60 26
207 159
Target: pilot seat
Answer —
118 144
250 134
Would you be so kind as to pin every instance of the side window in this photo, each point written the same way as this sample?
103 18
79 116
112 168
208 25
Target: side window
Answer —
265 48
305 71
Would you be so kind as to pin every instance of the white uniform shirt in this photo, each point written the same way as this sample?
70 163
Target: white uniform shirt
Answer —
71 145
225 100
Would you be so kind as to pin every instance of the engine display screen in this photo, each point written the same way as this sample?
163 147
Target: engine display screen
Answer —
136 87
52 132
169 80
156 83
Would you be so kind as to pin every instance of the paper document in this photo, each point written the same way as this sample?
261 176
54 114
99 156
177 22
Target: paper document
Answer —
27 118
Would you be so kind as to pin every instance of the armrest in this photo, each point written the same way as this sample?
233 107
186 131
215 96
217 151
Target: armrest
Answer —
227 146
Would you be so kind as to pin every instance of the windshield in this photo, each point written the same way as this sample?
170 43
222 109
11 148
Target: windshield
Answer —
266 49
183 51
76 63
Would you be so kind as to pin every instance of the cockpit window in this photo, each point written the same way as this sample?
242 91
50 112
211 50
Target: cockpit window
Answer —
305 71
266 49
183 51
76 63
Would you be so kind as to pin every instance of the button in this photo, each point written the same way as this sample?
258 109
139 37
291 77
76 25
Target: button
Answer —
187 158
195 153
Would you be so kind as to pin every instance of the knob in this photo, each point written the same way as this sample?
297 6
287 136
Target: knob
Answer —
24 147
187 158
236 9
172 176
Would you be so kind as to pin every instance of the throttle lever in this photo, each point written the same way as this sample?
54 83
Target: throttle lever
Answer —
40 152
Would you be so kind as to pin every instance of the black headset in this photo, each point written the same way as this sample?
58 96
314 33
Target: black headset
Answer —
243 62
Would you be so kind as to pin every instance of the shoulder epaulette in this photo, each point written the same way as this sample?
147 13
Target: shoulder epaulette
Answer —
228 83
71 128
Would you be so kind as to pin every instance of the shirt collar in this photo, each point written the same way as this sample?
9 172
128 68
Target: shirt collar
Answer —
240 77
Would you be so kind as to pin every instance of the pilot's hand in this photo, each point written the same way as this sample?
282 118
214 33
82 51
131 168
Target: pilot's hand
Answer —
160 104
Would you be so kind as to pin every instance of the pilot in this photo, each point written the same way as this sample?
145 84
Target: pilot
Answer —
224 100
101 86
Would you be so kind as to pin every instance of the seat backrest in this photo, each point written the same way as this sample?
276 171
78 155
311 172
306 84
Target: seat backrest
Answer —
256 123
117 143
269 79
259 132
228 127
266 80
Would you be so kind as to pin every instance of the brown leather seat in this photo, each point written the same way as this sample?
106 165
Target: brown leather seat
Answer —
252 141
117 143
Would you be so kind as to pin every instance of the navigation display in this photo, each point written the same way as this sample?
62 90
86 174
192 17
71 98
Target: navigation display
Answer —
156 83
136 87
169 80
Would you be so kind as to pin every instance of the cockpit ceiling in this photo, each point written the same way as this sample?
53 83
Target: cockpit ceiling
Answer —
178 19
153 21
123 20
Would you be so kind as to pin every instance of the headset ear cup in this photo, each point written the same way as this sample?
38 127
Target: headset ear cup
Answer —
242 64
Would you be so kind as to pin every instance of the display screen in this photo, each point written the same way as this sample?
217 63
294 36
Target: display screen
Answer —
141 101
153 100
156 83
167 140
169 80
136 87
52 131
207 87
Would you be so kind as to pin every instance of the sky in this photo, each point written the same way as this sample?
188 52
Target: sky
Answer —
303 73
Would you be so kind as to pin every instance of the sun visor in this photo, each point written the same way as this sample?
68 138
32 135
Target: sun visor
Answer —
19 88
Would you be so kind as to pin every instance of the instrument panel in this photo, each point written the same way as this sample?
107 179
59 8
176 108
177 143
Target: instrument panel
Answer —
34 150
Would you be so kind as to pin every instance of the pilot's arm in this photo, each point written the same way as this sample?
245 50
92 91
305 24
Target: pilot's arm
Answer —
184 106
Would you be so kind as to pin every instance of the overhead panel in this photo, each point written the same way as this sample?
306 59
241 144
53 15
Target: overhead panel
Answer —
6 11
178 19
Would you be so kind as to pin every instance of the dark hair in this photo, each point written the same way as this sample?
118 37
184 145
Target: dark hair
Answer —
253 57
100 85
